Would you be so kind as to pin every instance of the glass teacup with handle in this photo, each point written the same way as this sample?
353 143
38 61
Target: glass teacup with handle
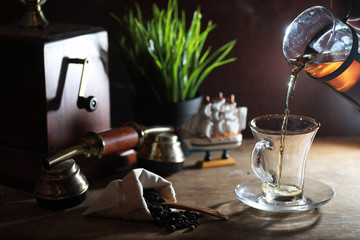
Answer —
280 184
282 176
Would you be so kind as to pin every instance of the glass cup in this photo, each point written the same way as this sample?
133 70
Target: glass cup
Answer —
282 176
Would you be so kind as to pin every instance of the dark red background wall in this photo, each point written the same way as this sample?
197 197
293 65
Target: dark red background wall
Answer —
258 78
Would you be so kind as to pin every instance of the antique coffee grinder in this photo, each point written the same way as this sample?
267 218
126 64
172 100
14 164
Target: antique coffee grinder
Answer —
54 88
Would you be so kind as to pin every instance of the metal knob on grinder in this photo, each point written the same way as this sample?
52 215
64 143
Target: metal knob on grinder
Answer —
61 184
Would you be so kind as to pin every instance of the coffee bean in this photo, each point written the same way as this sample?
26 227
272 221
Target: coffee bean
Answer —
171 228
164 217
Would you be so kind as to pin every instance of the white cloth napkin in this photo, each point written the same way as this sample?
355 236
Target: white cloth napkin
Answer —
124 198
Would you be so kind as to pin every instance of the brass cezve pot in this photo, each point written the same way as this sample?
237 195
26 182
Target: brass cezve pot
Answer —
61 184
161 154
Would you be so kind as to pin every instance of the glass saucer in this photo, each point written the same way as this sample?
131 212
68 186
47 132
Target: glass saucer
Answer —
316 194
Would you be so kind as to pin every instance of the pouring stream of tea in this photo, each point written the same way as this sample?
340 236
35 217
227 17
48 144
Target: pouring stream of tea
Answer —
296 66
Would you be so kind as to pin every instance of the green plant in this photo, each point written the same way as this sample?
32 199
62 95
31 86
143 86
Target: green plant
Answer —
170 56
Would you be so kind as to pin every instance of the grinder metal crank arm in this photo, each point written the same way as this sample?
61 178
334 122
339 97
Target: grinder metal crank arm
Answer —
130 136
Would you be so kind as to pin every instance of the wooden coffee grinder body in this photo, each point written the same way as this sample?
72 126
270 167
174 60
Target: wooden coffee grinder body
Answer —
41 71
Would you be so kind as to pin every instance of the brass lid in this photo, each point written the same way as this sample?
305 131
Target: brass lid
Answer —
62 181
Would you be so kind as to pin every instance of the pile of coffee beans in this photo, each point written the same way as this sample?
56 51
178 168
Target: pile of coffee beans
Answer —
164 217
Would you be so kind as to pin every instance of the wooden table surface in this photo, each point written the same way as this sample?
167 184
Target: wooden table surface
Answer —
334 161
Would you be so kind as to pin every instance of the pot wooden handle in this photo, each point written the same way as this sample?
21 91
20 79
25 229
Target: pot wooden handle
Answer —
129 136
119 139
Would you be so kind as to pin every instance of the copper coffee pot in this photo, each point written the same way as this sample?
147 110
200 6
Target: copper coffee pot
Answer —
62 185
